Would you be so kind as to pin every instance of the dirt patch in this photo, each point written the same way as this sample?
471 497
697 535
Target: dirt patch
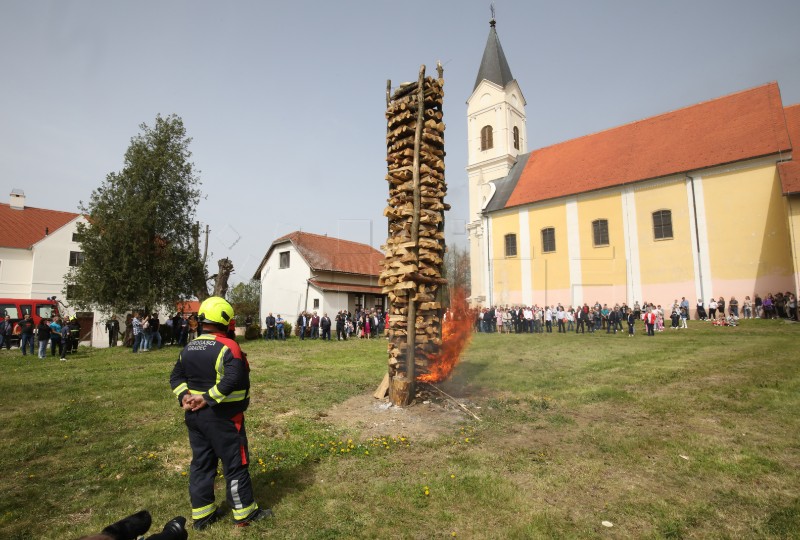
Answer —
430 416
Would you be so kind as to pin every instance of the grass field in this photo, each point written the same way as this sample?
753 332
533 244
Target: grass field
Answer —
689 434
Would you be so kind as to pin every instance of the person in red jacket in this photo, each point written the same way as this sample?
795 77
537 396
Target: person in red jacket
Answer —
211 380
650 321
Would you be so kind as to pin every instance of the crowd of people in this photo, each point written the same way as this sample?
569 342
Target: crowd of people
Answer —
365 324
611 319
61 335
145 332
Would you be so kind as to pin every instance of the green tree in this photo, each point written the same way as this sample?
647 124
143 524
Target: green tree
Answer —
245 298
140 246
457 272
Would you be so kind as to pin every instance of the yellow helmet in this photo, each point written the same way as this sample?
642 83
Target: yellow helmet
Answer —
215 310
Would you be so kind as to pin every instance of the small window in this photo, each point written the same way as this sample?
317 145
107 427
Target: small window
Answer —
45 311
548 240
600 232
74 237
284 261
662 224
75 258
9 310
511 245
516 137
486 138
316 303
71 290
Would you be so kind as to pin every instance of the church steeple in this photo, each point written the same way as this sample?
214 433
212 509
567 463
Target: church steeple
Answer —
494 66
496 136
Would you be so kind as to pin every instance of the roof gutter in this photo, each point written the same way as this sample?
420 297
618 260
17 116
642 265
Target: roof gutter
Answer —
697 236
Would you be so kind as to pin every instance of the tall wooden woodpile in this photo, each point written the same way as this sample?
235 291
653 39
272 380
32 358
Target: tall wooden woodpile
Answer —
412 272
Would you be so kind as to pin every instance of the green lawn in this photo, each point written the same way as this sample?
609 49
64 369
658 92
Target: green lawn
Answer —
689 434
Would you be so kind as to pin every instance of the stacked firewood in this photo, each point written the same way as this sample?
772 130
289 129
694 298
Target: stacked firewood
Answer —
414 250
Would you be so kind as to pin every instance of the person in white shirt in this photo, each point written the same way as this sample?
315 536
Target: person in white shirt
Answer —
712 309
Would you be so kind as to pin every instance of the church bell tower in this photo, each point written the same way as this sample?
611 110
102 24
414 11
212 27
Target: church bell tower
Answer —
496 135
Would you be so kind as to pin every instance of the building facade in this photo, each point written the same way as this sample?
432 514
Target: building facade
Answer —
310 272
37 249
699 202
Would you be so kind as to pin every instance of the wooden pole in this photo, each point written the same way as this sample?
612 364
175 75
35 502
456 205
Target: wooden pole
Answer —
411 336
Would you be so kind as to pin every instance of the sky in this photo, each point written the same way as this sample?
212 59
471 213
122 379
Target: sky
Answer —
285 101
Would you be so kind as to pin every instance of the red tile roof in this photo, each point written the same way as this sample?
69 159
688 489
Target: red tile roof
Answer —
344 287
23 228
187 306
790 170
739 126
325 253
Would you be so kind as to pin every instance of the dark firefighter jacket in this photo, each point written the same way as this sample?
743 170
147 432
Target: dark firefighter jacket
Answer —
214 366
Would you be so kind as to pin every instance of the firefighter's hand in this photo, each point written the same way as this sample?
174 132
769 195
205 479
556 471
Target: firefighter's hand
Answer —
196 402
186 402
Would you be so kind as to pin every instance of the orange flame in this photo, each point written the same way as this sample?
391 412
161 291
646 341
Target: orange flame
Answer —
456 335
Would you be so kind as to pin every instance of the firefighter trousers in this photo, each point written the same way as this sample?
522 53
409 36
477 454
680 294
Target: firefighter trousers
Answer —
215 437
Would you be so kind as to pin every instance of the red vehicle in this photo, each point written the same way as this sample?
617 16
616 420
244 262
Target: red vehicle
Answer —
17 308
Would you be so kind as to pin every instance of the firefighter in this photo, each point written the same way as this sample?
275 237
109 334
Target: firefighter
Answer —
212 383
74 333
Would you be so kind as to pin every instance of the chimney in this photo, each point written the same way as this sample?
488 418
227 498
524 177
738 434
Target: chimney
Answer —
17 199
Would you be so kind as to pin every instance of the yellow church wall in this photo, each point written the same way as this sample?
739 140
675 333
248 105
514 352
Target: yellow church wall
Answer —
603 268
506 271
666 265
748 233
551 279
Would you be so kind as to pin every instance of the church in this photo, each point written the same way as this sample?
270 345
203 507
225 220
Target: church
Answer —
699 202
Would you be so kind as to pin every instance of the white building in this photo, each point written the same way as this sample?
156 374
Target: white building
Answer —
37 248
310 272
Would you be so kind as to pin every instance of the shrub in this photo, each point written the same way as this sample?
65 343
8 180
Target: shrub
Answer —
252 332
287 329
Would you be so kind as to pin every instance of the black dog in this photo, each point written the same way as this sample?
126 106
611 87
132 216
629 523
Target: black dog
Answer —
132 527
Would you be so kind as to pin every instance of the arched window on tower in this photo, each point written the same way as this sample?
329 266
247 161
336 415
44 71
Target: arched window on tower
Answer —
486 138
516 138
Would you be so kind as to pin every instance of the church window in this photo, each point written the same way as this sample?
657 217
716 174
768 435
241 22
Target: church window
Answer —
516 138
511 245
284 259
662 224
600 232
548 240
486 138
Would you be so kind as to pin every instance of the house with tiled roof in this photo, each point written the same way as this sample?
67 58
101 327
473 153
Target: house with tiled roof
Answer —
310 272
37 249
699 202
